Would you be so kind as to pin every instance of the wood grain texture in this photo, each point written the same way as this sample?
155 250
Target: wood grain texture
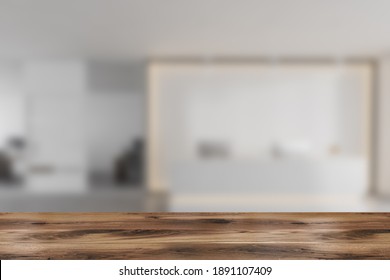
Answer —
195 236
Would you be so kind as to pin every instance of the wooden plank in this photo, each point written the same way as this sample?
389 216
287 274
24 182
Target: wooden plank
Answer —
195 236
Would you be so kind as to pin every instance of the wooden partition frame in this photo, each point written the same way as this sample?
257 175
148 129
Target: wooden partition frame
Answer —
370 118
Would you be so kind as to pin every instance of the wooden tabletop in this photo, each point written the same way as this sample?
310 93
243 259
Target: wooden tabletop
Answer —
195 236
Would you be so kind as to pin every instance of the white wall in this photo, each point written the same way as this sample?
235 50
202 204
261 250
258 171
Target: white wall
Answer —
313 107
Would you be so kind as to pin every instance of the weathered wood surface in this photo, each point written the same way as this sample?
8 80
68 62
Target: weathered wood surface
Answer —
195 236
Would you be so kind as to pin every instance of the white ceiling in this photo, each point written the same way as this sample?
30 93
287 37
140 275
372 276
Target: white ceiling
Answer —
140 28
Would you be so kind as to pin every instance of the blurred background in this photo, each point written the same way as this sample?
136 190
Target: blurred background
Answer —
217 105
